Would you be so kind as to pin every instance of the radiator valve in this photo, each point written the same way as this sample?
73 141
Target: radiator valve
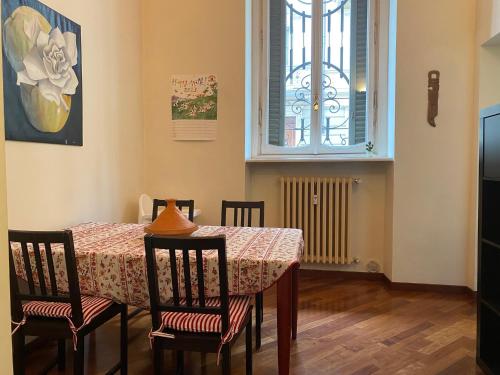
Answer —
356 260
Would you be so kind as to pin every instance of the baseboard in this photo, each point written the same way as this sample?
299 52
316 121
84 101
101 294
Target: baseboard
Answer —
434 288
413 287
345 275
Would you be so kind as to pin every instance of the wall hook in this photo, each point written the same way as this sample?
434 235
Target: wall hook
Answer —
433 92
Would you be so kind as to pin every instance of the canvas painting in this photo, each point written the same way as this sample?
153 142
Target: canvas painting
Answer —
194 97
42 72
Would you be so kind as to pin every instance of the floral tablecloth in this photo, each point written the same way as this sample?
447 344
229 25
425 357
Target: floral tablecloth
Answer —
111 261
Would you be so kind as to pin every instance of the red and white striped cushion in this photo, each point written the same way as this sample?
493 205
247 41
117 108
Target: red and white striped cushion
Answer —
193 322
91 307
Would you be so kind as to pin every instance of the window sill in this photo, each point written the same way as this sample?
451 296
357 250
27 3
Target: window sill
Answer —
319 158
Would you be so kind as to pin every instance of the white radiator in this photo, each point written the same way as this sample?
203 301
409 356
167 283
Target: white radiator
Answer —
321 207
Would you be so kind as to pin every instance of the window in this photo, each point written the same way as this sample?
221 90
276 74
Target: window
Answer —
315 76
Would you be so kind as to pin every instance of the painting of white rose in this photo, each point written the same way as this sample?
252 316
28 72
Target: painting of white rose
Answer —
42 74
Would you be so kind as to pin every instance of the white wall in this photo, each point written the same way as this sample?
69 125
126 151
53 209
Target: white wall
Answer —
389 223
185 37
489 76
488 21
5 338
487 93
432 172
368 201
51 186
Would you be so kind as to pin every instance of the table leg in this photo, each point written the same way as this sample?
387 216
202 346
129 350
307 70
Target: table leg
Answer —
295 300
284 318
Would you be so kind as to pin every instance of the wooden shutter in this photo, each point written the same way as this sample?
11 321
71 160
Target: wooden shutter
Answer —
359 29
277 35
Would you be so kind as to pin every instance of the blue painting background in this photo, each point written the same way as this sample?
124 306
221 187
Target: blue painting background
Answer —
17 125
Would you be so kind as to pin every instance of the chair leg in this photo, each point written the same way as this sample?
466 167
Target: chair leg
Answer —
248 332
124 340
226 359
157 357
79 360
180 362
258 307
61 354
261 307
258 319
18 353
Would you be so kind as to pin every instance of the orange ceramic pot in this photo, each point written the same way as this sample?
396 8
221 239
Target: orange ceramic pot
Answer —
171 222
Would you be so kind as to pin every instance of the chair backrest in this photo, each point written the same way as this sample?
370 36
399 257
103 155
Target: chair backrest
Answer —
145 207
36 251
241 207
180 204
172 247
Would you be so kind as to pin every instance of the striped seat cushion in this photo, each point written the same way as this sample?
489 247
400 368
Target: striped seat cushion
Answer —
193 322
91 307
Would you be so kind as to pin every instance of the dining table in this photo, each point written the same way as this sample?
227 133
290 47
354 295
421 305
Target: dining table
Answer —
111 264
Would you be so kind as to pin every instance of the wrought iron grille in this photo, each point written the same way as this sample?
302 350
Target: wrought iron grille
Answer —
334 99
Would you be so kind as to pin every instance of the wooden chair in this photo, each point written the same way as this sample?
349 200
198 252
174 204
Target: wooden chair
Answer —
39 307
190 321
239 209
239 212
157 203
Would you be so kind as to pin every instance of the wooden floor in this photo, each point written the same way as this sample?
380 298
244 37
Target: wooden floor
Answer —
345 327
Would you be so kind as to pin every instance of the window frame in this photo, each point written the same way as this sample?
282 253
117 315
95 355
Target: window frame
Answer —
260 148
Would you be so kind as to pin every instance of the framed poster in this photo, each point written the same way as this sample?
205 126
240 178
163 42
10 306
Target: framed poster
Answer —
42 73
